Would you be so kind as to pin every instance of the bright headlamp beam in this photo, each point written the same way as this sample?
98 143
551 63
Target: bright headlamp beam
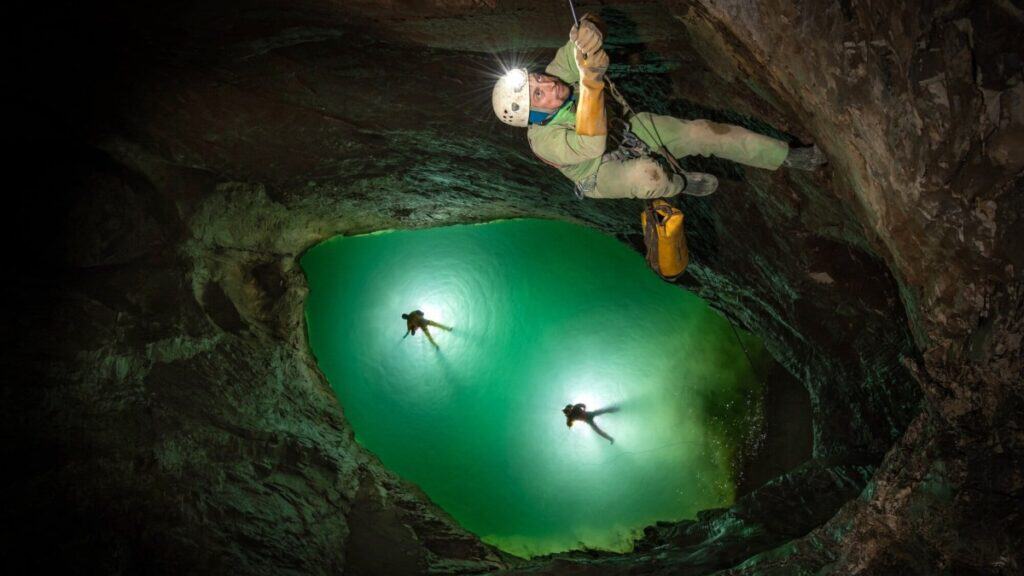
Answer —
516 78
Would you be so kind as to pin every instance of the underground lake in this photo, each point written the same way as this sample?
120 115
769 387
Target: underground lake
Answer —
543 314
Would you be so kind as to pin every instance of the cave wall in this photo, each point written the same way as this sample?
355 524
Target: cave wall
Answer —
161 395
920 108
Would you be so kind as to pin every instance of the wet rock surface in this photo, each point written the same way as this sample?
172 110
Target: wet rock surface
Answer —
162 409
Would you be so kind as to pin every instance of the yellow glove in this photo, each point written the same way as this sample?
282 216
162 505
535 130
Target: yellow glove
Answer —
590 116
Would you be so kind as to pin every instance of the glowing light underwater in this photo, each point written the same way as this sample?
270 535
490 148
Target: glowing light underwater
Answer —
544 314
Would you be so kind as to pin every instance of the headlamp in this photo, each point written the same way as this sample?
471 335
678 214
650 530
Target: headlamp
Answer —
516 79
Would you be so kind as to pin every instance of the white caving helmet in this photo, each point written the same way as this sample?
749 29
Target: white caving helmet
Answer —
511 98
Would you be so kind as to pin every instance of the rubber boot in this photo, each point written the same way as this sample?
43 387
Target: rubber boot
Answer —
805 158
700 184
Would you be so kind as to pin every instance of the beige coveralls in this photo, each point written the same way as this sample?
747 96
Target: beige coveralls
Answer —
580 158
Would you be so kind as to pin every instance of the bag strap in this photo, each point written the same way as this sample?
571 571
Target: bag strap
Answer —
651 235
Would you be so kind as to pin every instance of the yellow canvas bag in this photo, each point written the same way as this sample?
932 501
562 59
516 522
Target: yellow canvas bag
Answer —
663 235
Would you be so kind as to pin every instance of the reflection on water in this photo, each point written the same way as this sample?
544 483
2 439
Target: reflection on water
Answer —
544 314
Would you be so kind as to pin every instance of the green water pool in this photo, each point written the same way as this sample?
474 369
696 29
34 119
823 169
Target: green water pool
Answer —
544 314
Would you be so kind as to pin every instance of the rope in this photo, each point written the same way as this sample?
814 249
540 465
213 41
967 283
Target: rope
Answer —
745 353
673 164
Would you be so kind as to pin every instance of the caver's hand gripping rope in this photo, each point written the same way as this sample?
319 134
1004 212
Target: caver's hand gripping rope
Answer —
631 114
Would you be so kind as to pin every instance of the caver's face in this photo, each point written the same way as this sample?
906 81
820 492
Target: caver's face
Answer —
547 93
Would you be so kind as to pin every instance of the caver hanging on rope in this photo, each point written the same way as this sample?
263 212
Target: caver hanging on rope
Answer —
563 112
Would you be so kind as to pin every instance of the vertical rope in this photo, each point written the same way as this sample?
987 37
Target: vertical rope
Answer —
745 353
